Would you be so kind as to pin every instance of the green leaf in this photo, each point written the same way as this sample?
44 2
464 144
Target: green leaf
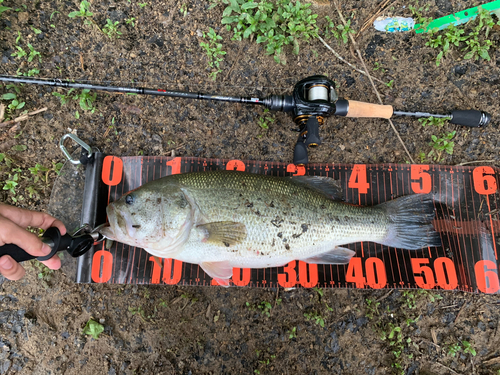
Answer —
3 9
19 148
9 96
295 46
484 54
247 33
93 328
469 55
227 20
261 39
73 14
249 6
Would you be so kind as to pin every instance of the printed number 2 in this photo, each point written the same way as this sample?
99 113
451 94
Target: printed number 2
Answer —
358 179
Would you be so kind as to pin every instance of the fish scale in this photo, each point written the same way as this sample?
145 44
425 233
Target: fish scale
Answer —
274 219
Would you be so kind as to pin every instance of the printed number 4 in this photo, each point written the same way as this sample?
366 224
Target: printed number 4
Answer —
358 179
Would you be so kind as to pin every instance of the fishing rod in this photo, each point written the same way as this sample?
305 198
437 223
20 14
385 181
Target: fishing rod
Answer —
313 99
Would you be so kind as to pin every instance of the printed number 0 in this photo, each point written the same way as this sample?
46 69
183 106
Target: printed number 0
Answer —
112 170
102 266
376 276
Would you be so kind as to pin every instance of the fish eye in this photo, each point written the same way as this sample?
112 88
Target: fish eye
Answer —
129 199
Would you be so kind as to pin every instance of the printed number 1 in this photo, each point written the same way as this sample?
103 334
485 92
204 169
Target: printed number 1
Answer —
175 164
358 179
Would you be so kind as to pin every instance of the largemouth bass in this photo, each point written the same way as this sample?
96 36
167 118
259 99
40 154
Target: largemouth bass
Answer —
225 219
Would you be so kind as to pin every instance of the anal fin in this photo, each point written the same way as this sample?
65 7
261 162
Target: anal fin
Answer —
339 255
219 271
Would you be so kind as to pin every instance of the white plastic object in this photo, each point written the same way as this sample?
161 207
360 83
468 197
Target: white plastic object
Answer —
394 24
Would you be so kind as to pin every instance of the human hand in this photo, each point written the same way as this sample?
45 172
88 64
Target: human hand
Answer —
13 224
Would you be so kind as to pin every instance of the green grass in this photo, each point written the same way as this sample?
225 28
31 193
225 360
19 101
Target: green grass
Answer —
83 12
340 32
474 43
265 119
434 121
111 29
316 318
274 24
214 52
465 346
442 144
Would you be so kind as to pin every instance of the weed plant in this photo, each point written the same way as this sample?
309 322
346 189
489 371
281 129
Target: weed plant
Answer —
274 24
340 32
84 12
111 29
475 43
214 52
441 144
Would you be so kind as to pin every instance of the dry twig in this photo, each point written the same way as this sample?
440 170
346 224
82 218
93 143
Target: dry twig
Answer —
477 161
21 118
384 4
344 61
371 81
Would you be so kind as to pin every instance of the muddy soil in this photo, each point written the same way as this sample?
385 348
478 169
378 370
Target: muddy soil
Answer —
212 330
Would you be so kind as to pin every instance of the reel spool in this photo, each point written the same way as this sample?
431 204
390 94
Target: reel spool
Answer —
314 99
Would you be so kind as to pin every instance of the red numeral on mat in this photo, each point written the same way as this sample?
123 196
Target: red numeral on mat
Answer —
376 276
358 179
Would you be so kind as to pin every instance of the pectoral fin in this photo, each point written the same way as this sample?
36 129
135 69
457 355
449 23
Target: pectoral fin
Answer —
339 255
227 233
219 271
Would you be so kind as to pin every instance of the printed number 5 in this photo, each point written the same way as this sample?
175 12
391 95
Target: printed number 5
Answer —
424 183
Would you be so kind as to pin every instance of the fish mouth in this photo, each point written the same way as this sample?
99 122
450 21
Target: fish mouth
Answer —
120 224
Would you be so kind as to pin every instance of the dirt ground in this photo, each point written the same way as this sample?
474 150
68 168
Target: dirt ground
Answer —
212 330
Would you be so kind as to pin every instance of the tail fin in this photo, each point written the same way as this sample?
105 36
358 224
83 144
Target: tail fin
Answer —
410 225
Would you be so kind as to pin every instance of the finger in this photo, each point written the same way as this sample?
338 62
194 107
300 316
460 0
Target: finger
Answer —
26 218
10 269
53 263
11 233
